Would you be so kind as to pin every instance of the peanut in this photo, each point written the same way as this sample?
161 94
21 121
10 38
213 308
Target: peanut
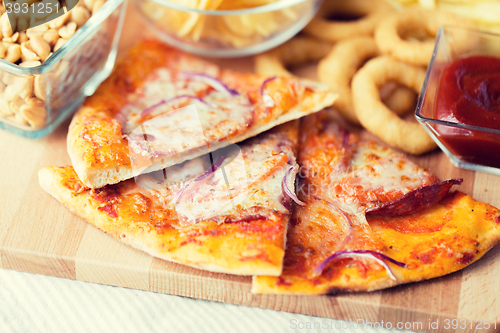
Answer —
51 36
20 119
59 22
11 39
23 37
28 54
60 42
97 4
13 52
38 30
80 15
33 101
40 87
23 86
33 63
15 105
4 108
34 112
7 78
40 46
3 50
68 30
10 93
5 25
89 4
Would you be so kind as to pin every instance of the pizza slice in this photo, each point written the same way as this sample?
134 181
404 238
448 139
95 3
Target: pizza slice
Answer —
226 211
156 90
369 219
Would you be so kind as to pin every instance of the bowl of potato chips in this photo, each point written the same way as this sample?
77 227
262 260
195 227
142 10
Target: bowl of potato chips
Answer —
226 28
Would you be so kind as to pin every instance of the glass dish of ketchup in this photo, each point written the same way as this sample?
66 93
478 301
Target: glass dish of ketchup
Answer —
459 105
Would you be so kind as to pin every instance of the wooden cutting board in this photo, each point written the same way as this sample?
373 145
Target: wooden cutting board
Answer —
38 235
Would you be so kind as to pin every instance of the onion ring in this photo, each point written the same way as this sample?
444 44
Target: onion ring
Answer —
371 12
376 117
389 34
338 68
295 52
398 98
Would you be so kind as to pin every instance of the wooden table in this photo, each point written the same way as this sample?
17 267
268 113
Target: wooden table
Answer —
39 235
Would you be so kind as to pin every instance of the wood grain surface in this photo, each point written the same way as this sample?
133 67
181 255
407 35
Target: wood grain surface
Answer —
39 235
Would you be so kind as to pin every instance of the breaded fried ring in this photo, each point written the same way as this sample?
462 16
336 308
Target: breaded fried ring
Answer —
390 33
398 98
297 51
338 68
370 11
376 117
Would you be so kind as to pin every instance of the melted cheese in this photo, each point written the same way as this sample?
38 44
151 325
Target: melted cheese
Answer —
159 85
250 178
375 174
178 126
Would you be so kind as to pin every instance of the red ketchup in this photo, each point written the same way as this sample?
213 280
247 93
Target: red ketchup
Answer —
469 93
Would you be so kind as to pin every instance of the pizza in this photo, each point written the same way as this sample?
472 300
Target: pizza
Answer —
368 218
197 165
227 211
119 132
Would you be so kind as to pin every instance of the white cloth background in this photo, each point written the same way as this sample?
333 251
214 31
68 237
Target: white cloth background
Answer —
35 303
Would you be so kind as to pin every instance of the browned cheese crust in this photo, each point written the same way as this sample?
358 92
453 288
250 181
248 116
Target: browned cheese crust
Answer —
245 240
342 176
99 149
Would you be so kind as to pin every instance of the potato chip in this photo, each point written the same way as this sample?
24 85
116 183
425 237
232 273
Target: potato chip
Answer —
238 30
485 13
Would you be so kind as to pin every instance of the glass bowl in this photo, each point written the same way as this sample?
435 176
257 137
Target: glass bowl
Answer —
469 147
227 33
35 100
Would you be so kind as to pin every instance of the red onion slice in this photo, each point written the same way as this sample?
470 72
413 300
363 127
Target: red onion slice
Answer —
415 201
266 81
366 254
168 100
344 215
216 165
340 211
347 152
211 81
268 100
288 191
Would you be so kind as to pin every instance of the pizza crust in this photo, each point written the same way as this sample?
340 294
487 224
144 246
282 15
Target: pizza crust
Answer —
105 160
96 177
245 238
334 246
461 231
220 254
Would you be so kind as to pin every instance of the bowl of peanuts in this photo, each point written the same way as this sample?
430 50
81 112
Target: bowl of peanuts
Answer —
46 71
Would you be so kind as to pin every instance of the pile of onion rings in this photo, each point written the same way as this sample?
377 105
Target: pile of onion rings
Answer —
375 64
376 117
390 32
338 68
297 51
368 12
